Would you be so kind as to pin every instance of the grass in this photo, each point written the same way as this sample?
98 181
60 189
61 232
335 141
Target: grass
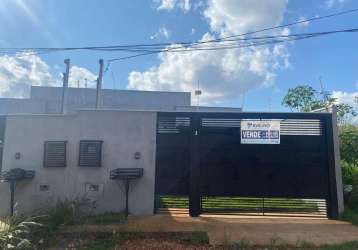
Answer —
350 215
352 245
107 241
106 218
212 204
174 201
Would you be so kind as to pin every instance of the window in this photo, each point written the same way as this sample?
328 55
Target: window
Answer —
44 188
90 154
55 154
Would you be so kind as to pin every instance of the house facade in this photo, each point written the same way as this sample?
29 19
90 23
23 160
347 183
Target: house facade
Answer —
177 146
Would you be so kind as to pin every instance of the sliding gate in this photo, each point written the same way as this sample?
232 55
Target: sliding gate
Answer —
202 165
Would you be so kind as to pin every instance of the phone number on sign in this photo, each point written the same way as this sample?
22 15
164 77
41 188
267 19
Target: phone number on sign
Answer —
260 134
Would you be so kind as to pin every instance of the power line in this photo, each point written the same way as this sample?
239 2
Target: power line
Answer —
287 38
295 23
141 47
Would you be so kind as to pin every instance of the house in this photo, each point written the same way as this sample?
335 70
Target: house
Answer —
182 150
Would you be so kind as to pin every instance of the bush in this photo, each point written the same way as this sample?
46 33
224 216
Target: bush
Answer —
348 136
19 233
349 173
350 215
67 212
350 177
107 218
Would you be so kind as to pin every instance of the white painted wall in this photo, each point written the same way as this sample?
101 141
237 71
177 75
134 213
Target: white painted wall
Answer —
123 133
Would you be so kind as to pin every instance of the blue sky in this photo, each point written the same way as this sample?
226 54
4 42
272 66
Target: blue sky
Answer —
256 77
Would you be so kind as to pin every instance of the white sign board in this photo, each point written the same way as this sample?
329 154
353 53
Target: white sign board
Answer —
260 132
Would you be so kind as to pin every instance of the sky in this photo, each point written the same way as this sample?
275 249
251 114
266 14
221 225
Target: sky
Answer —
254 78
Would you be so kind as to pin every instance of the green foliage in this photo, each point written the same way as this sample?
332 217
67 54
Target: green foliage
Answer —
18 233
304 98
350 215
344 111
345 246
349 173
30 233
301 98
348 136
68 212
106 218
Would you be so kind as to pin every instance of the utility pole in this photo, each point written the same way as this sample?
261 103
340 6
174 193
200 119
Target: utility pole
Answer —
243 100
65 86
198 93
99 84
114 80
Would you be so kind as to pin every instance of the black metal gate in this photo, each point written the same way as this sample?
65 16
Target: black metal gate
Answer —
202 165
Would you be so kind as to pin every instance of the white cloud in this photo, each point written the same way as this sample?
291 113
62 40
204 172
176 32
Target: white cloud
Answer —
333 3
19 72
79 76
223 74
348 98
184 5
303 23
163 32
239 16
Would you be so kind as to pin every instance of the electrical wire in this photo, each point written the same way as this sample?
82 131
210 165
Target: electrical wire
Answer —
141 47
287 38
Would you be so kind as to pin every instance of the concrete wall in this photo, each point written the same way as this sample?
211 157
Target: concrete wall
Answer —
85 98
337 159
123 133
21 106
206 109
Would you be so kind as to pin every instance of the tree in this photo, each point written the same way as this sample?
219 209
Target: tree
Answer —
348 136
301 98
304 98
344 111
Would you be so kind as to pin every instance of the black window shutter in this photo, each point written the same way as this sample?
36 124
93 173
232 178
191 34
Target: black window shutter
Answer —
90 154
55 154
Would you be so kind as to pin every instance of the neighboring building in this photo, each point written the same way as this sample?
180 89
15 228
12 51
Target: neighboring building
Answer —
47 100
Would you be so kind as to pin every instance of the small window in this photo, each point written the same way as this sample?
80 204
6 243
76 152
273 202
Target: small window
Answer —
90 154
92 188
44 188
55 154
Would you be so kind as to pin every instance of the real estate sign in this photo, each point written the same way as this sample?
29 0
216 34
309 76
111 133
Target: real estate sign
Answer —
260 132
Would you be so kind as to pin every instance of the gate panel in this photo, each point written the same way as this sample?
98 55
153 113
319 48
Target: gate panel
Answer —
172 158
200 156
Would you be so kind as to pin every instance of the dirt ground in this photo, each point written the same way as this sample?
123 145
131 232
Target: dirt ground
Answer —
254 230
